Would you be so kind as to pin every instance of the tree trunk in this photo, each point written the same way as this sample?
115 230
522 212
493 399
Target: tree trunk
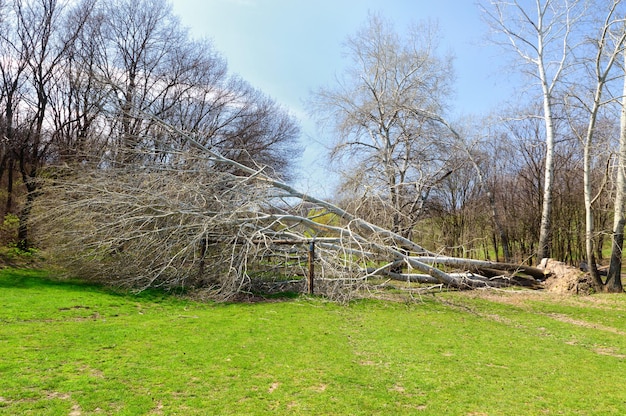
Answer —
23 241
589 226
29 176
499 230
470 264
545 227
9 201
614 278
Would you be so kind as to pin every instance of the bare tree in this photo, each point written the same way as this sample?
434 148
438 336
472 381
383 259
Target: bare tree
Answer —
247 126
139 43
36 41
77 78
150 65
77 98
542 37
385 113
614 278
13 69
483 156
220 228
607 48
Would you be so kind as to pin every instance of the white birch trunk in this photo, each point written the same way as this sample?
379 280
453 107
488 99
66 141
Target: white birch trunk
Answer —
614 281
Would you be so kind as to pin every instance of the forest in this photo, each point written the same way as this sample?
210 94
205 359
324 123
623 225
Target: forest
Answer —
130 154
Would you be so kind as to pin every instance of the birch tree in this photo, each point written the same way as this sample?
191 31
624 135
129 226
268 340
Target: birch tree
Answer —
614 278
606 48
542 37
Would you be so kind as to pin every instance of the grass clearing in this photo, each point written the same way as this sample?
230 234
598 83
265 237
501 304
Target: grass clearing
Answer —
74 349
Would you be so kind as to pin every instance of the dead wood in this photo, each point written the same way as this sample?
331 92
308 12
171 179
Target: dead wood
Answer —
232 232
484 265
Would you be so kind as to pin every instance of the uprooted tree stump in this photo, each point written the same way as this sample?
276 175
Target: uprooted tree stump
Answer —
566 279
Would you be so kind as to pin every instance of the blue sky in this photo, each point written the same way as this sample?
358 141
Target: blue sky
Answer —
287 48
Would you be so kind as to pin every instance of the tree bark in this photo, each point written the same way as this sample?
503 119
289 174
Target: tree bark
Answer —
534 272
546 209
614 278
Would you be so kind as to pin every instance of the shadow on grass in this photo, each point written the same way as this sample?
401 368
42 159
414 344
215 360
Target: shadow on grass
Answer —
33 279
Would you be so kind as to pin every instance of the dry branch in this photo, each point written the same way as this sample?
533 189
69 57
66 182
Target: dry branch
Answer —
203 220
482 265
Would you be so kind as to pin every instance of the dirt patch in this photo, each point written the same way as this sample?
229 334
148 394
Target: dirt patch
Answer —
157 410
610 351
273 387
606 302
92 372
566 279
398 388
57 395
510 297
76 411
205 295
584 324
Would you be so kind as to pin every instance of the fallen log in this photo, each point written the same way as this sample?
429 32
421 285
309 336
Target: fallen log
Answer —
480 265
465 279
352 236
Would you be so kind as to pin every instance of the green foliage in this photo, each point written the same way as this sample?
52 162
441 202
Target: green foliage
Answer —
10 251
70 348
323 217
9 228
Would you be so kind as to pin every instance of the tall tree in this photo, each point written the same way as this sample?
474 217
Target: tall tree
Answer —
541 36
139 41
477 152
606 48
40 43
614 278
77 99
152 67
78 79
13 72
386 112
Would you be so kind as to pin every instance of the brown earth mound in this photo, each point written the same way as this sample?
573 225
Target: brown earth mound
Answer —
566 279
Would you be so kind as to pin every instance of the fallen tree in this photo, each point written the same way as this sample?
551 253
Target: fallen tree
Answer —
203 220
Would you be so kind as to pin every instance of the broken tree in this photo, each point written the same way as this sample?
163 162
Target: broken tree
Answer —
203 220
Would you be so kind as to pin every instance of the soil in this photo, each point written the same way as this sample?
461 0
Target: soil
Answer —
566 279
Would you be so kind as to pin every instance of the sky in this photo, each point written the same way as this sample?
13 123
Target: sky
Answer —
289 48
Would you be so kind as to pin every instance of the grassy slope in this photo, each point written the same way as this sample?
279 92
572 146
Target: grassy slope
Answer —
73 349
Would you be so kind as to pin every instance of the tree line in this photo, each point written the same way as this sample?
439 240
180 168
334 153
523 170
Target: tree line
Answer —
79 79
145 156
539 178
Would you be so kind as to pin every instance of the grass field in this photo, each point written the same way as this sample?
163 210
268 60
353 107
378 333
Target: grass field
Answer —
73 349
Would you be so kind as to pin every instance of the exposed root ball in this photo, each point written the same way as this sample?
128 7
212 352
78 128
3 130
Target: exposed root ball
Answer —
566 279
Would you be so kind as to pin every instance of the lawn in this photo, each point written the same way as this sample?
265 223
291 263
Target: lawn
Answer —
72 349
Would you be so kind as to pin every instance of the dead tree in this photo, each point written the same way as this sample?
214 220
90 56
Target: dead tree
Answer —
192 223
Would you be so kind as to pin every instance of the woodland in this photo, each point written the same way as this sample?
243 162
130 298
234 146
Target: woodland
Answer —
131 156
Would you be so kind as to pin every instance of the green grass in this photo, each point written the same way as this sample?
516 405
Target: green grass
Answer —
73 349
